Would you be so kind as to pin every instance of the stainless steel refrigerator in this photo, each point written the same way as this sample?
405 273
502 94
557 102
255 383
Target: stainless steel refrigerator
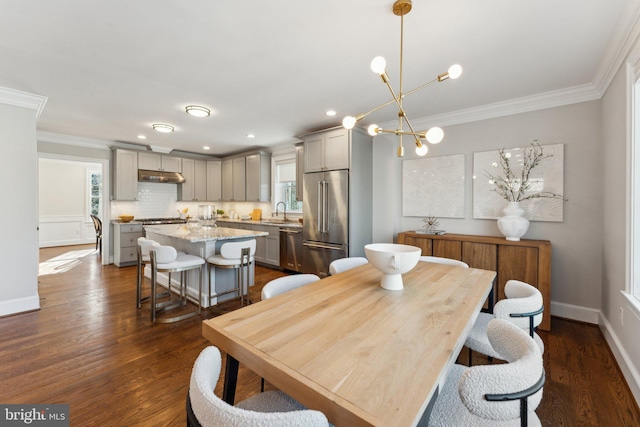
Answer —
325 220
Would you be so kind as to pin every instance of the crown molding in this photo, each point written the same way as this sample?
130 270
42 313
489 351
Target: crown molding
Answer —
620 45
526 104
23 99
78 141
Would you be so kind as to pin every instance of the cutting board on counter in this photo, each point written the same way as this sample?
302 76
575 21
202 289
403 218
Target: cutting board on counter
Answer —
256 215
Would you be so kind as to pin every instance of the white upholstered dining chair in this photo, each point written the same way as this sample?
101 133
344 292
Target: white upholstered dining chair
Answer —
442 260
505 394
287 283
268 409
523 307
344 264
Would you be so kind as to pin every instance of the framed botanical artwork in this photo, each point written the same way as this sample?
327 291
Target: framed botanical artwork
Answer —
546 176
433 186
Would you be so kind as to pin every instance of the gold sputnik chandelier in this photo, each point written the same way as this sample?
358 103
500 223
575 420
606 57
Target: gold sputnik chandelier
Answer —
433 135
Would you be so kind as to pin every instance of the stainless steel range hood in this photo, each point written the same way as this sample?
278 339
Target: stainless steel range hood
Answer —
160 176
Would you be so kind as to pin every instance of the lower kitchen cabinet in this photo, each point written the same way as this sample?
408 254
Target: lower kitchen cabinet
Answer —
268 247
526 260
125 240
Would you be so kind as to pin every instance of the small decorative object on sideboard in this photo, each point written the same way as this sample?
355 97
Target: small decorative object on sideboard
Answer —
516 188
430 226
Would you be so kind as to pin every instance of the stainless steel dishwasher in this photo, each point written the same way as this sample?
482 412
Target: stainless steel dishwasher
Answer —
291 248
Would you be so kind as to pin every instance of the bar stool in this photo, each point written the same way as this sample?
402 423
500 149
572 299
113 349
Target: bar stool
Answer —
165 259
144 258
236 255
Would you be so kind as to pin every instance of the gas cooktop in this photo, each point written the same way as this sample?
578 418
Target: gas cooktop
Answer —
151 221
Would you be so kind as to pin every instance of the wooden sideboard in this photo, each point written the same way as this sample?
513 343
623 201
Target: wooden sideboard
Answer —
526 260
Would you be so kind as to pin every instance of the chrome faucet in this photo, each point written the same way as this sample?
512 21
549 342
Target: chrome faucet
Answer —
285 210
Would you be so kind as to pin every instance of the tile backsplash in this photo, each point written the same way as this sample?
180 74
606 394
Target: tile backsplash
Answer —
160 201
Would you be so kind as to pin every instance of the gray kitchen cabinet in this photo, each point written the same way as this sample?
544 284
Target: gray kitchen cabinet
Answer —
125 240
258 177
159 162
214 180
328 150
299 171
268 247
233 179
195 186
125 175
239 179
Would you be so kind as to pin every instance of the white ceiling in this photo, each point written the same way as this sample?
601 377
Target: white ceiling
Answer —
109 69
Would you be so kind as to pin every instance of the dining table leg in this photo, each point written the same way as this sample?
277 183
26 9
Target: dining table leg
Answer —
230 380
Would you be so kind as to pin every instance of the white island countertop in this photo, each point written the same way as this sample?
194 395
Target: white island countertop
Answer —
180 231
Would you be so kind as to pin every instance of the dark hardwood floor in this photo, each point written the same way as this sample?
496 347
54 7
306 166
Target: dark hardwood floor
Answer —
91 348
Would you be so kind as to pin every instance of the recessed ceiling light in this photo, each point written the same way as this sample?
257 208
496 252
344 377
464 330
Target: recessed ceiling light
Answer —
206 148
331 113
160 127
198 111
142 137
250 135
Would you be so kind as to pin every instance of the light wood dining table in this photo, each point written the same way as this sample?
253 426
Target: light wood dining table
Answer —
363 355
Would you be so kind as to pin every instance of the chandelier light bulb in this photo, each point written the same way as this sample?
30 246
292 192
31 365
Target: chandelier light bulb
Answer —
349 122
422 150
455 71
373 130
435 135
378 65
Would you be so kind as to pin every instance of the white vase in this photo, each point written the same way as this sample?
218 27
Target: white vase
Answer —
513 225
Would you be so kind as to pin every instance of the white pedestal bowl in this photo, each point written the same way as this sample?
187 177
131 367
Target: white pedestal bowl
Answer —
393 260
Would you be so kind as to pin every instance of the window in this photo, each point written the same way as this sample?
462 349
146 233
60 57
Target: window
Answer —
285 186
94 184
634 285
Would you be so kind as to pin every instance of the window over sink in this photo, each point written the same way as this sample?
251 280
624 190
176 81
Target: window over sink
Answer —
284 183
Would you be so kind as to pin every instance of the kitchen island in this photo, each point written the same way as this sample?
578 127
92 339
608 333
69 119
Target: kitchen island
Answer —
203 242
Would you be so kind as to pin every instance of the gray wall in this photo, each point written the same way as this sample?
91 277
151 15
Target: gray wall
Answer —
623 336
576 242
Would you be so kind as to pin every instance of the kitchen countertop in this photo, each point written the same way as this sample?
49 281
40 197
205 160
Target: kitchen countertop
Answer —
273 222
180 231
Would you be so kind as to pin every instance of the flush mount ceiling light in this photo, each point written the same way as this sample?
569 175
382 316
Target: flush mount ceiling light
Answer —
163 128
197 111
378 64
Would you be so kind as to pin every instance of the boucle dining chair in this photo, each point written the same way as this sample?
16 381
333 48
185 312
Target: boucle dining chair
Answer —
238 256
344 264
268 409
442 260
505 394
287 283
165 259
523 307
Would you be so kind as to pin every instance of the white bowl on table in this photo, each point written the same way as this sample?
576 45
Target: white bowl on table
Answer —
393 260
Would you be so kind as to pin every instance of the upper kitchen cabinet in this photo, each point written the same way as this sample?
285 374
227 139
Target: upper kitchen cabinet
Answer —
159 162
214 180
195 186
299 170
328 150
234 179
258 177
125 175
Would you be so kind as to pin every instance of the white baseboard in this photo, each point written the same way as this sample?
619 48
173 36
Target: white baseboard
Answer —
19 305
575 312
629 370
